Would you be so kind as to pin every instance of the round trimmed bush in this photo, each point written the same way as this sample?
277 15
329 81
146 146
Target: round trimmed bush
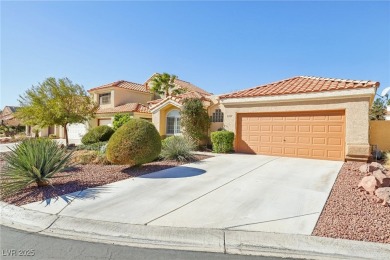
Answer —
97 134
134 143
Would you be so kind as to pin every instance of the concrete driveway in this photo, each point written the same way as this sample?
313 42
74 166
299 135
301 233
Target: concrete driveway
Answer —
234 191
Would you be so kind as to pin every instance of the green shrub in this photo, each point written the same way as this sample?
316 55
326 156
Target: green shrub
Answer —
222 141
177 148
119 120
135 143
89 157
84 156
194 120
97 134
91 147
33 160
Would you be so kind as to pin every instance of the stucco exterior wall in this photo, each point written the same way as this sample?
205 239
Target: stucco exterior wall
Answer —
356 112
123 96
380 134
214 126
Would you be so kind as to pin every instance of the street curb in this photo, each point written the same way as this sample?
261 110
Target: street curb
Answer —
191 239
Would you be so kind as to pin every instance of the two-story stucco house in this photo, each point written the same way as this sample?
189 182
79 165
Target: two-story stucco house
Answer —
120 97
124 97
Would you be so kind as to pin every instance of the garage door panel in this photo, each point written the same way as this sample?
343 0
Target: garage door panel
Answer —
289 151
335 129
339 118
303 152
277 139
319 129
334 141
277 128
305 140
290 128
319 135
277 150
319 140
334 154
290 139
304 129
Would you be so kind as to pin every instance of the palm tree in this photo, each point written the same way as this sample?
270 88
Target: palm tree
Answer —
164 84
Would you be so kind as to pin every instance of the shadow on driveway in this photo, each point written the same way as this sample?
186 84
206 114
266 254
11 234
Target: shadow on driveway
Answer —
176 172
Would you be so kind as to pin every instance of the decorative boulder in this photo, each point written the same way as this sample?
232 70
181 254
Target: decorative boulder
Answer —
384 195
364 168
374 166
369 183
384 180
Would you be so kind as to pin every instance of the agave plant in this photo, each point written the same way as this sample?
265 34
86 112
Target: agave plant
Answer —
33 160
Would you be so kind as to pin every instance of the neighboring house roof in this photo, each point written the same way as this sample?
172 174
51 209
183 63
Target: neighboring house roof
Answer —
8 111
179 98
182 84
300 84
12 108
123 84
129 107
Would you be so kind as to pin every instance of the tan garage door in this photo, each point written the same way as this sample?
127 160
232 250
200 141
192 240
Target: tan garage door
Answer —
317 135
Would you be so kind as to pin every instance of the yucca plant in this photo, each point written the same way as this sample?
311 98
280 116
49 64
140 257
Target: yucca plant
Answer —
33 160
177 148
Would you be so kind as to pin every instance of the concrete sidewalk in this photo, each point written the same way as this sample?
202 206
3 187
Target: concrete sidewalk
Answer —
235 191
191 239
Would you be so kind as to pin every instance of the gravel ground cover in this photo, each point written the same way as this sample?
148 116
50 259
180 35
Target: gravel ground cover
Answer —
86 176
352 214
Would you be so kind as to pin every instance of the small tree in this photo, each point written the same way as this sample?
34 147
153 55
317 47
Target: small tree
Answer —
56 102
378 110
119 120
194 119
164 84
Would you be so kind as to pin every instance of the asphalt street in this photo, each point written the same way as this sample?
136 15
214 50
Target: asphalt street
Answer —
17 244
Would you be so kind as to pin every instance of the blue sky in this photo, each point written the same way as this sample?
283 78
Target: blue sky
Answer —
219 46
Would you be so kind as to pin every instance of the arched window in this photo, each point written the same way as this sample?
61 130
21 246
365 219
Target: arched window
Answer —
173 122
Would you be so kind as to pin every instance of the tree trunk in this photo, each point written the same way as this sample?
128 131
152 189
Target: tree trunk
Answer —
66 134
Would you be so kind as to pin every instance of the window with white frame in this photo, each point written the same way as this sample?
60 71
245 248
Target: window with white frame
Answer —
173 122
105 99
217 116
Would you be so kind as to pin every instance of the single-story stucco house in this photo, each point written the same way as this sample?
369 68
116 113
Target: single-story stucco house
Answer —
308 117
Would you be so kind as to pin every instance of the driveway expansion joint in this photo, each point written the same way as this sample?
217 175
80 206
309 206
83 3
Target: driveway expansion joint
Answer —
209 192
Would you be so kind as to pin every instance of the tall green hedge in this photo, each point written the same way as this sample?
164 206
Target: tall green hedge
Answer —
222 141
134 143
97 134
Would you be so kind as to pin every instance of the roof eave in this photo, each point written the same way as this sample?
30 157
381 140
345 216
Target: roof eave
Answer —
347 93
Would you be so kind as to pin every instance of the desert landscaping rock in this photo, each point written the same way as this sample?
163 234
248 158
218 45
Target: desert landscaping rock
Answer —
376 166
369 183
384 180
82 177
363 168
384 195
351 214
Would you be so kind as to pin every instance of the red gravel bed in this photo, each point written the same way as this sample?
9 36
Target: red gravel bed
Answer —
86 176
353 214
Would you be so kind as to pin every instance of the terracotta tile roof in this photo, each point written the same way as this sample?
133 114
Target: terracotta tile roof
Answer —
179 98
301 84
129 107
123 84
183 84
